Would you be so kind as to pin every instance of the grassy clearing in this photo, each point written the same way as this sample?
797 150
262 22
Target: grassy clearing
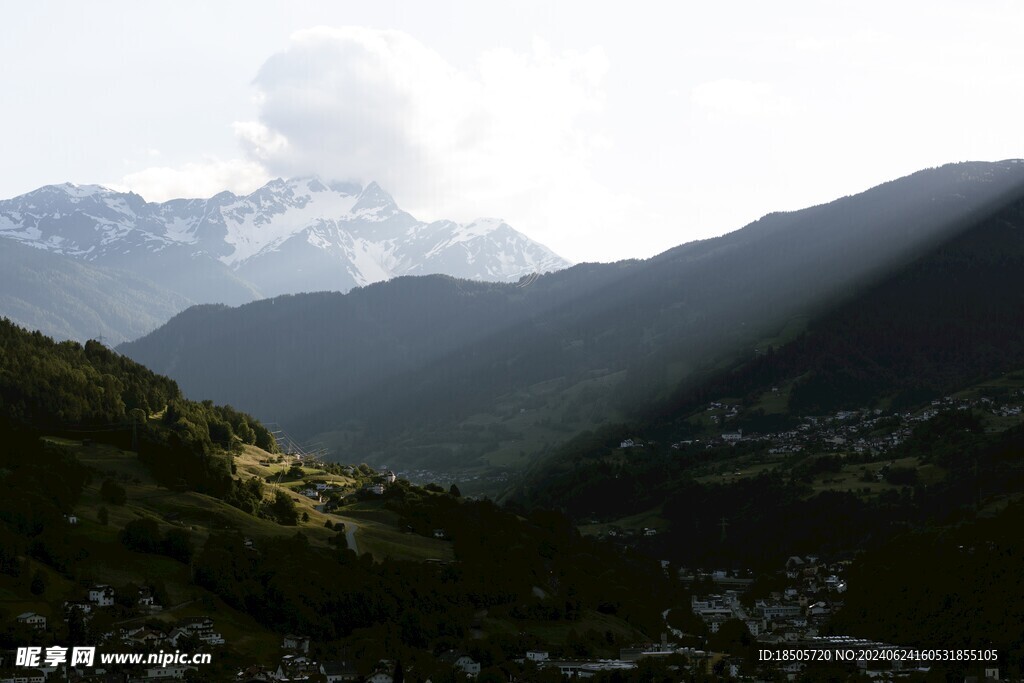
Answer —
385 542
775 402
382 535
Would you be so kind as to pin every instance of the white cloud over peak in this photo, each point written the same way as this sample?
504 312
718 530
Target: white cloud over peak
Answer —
513 136
361 104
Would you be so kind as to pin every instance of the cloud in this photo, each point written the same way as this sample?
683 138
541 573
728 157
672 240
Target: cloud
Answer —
361 104
198 179
512 136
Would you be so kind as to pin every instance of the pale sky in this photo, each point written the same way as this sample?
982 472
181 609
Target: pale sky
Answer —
605 131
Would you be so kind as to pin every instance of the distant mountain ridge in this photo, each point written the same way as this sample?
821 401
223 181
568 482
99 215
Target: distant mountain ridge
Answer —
287 237
70 299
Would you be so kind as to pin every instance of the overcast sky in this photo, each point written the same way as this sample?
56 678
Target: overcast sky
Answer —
603 130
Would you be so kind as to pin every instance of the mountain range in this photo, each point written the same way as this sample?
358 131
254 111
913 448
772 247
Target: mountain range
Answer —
447 374
287 237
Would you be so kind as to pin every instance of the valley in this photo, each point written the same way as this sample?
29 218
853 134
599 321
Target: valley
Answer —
522 480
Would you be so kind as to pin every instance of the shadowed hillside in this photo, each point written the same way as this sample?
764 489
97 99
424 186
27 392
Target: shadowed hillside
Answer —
446 374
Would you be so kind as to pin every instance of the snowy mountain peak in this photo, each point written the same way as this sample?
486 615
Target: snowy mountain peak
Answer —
373 195
485 225
80 191
291 235
69 191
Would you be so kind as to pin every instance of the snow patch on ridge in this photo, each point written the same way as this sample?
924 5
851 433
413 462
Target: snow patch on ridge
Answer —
253 233
83 191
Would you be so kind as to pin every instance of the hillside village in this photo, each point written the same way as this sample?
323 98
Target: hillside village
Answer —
867 432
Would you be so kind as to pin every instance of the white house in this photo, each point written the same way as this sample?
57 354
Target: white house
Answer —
294 642
101 595
147 601
147 636
819 609
461 661
176 634
82 605
628 443
296 668
212 638
33 620
733 437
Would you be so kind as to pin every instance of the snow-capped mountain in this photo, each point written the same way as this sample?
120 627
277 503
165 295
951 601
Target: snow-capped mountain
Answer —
288 236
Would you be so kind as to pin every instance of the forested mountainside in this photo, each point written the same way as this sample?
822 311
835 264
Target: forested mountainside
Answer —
939 324
445 374
69 389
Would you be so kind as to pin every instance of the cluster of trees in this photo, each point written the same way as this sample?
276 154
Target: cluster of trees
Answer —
191 447
213 425
246 495
55 386
89 391
284 510
144 535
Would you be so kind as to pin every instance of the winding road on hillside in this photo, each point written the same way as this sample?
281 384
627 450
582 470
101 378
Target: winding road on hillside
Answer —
350 536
